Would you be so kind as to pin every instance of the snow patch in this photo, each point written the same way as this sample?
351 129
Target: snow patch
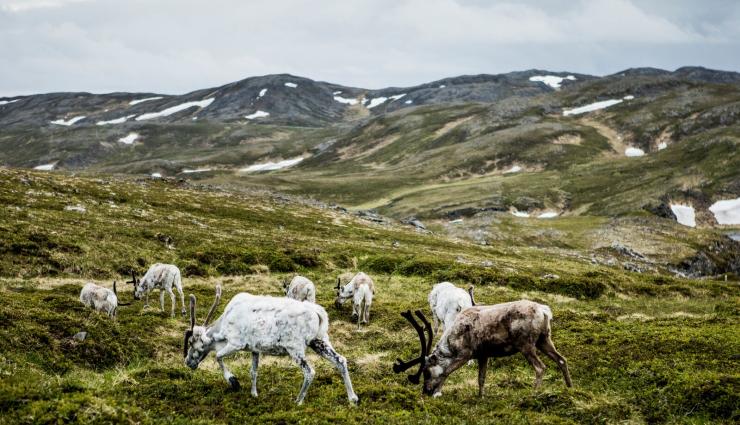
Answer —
377 101
199 170
409 102
270 166
131 138
591 107
398 96
726 211
345 100
634 152
181 107
291 85
5 102
662 145
456 221
156 175
69 121
137 101
684 214
262 92
551 80
116 121
514 169
628 97
45 167
518 213
442 86
258 114
548 214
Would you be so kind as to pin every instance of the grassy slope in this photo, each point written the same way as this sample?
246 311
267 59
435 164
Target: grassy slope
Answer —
641 347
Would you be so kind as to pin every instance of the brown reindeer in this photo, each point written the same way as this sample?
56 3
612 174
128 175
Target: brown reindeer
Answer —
480 332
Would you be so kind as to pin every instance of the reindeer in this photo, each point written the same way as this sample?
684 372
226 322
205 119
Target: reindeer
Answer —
268 325
481 332
163 277
361 290
101 299
300 288
446 301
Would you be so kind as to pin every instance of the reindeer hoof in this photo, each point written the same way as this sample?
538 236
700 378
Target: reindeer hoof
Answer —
234 383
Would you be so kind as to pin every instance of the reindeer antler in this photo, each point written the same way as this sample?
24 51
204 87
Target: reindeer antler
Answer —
400 365
189 332
213 307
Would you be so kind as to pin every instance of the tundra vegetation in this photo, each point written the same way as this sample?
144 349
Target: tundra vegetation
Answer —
641 347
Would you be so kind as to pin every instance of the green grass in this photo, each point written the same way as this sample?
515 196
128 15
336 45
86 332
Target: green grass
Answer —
642 348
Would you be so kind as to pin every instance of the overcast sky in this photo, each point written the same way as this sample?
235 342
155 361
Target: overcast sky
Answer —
175 46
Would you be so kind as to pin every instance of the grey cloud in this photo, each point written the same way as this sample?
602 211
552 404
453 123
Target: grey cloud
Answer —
175 46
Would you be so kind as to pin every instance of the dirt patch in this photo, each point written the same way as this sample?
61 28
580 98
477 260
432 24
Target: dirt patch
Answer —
568 139
451 125
615 139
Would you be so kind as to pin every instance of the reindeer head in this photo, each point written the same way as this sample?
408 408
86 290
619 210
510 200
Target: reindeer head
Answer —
343 293
198 343
138 291
428 363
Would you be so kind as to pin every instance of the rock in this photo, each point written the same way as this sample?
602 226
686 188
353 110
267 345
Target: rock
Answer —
486 263
371 216
80 336
632 267
418 224
625 250
79 208
661 210
719 256
413 221
551 276
396 244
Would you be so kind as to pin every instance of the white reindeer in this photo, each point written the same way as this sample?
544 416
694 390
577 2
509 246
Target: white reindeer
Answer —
481 332
446 301
300 288
100 299
361 290
163 277
264 325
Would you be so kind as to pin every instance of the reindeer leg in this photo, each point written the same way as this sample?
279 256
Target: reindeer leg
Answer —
182 299
308 374
161 300
548 348
255 364
325 350
172 300
482 367
228 350
539 368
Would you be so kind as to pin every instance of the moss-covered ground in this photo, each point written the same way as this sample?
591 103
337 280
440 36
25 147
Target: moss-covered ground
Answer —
642 348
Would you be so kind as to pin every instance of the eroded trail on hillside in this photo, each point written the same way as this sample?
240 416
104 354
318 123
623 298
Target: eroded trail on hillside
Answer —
615 140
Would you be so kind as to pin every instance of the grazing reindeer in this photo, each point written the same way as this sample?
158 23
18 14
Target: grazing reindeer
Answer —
481 332
101 299
163 277
361 290
446 301
269 325
300 288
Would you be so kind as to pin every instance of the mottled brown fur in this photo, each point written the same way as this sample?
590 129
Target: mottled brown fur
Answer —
500 330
